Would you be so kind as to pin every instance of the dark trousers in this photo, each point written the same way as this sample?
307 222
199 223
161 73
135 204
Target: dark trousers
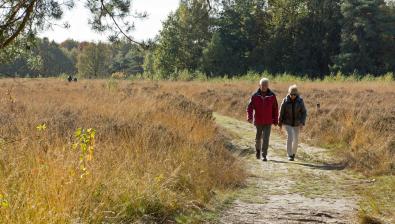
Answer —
262 138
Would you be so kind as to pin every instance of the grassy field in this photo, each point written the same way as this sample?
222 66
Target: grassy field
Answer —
141 154
150 150
355 119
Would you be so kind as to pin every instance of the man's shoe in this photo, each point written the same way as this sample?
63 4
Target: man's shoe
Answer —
258 154
264 159
291 158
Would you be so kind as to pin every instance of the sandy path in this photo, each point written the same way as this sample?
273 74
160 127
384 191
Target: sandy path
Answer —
279 191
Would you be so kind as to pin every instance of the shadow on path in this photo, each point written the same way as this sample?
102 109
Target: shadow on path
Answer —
243 152
335 166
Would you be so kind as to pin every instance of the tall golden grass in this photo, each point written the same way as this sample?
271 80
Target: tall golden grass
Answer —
157 151
156 155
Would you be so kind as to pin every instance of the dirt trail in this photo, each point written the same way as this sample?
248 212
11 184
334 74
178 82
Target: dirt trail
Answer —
279 191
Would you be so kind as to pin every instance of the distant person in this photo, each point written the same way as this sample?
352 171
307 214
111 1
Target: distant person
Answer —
293 115
262 111
69 78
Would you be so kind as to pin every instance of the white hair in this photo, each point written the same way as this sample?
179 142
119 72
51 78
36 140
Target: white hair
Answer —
263 81
293 89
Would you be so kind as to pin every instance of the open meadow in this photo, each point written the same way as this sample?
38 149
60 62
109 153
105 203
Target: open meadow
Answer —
111 151
357 119
142 154
132 111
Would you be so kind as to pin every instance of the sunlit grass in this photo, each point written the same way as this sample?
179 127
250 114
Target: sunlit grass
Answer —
140 155
163 148
379 199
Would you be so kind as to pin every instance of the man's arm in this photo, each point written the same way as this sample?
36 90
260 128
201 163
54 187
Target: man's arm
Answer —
250 111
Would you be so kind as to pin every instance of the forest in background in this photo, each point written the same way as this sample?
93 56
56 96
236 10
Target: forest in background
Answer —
300 37
87 59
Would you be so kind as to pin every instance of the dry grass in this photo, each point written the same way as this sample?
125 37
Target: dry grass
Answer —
356 119
156 155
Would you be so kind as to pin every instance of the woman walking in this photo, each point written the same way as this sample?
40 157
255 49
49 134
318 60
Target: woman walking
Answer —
293 116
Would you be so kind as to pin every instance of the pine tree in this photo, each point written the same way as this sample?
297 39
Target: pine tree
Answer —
362 37
185 34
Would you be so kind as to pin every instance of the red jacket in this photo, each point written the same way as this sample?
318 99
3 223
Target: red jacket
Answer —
265 106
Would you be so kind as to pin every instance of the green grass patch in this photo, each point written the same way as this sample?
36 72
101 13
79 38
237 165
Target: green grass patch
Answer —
378 199
186 75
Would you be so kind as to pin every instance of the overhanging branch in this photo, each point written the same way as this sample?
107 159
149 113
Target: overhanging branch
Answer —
142 45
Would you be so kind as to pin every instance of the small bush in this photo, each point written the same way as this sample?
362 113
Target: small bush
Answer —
119 75
184 75
388 77
200 76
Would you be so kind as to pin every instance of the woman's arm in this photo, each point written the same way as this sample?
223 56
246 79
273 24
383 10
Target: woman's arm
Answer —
304 113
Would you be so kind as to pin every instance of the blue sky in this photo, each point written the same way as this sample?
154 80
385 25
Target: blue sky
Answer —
157 10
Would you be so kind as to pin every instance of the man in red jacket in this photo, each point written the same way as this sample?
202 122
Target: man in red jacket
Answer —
262 110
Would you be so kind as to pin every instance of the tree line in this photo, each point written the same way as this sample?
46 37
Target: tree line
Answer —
234 37
87 59
305 37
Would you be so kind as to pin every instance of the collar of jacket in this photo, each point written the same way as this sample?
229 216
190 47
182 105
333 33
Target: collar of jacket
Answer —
298 99
269 92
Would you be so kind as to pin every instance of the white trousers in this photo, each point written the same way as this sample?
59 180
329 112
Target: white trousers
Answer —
292 139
